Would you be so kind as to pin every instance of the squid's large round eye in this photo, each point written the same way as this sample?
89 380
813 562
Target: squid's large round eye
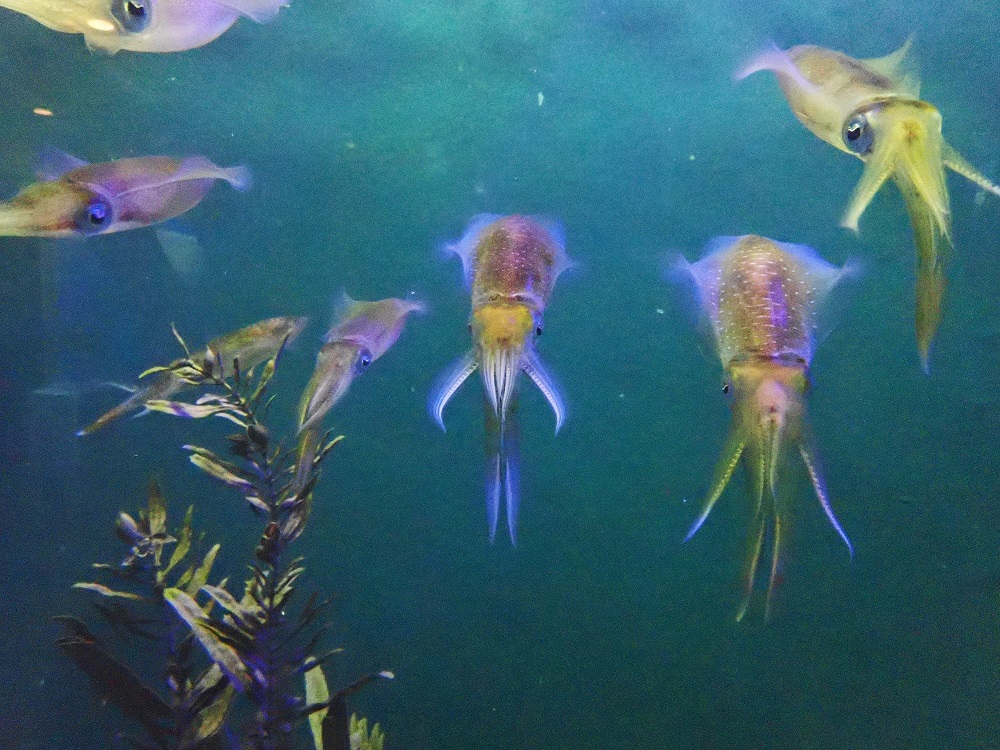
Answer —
725 388
95 217
364 359
538 331
133 15
858 135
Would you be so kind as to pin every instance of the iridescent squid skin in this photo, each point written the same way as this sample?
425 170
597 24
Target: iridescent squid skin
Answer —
872 109
77 199
761 298
364 332
511 265
144 25
244 349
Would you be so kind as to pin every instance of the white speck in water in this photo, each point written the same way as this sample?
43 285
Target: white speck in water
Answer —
541 98
690 157
621 395
659 311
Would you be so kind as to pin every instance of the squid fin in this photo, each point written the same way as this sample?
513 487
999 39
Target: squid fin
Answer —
900 67
53 163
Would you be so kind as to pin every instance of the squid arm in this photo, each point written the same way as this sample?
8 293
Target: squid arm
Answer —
724 470
449 383
932 248
503 463
959 164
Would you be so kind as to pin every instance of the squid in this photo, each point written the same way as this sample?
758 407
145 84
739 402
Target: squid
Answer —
872 109
77 199
762 298
511 264
144 25
240 350
364 331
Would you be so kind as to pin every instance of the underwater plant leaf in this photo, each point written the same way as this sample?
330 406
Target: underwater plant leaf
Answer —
361 738
155 369
183 542
317 692
327 448
124 622
221 653
265 377
192 411
286 583
180 340
113 681
211 718
226 600
205 689
336 725
295 523
105 591
199 576
217 468
157 512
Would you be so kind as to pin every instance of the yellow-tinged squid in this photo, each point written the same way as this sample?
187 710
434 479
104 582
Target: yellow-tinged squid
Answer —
511 265
243 349
144 25
872 109
762 298
77 199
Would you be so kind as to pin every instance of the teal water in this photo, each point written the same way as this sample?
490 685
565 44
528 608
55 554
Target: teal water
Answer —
374 131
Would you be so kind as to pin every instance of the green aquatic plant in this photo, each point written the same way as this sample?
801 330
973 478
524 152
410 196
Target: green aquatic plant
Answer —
241 670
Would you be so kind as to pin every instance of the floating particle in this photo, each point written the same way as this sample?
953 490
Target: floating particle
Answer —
43 111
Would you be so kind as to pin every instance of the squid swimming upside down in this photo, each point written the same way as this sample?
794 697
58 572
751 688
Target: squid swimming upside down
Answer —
511 265
872 109
761 298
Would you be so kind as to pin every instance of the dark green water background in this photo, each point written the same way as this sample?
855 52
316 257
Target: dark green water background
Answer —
374 130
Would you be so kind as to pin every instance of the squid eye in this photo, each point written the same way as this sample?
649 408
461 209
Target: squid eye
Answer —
364 359
133 15
725 388
858 135
95 217
538 331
